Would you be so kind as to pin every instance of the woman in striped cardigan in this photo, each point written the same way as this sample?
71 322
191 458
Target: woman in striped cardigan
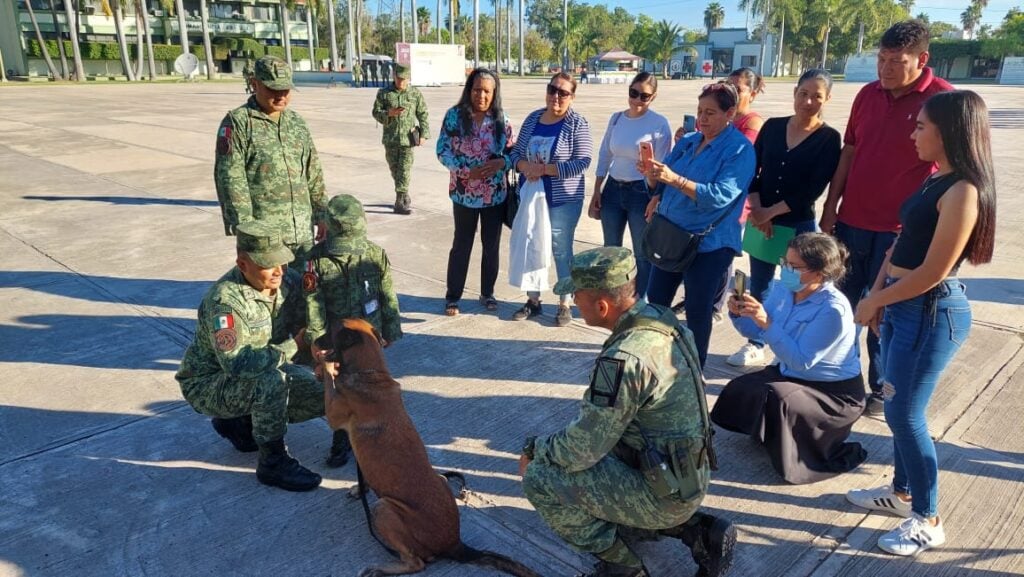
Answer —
555 145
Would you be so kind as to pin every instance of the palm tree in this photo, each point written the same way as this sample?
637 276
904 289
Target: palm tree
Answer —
76 51
972 16
664 43
762 8
831 14
286 39
207 48
714 14
423 18
64 71
42 43
332 33
122 44
143 20
182 26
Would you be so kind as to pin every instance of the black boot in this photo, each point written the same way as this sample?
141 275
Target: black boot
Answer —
710 539
237 430
278 469
607 569
341 448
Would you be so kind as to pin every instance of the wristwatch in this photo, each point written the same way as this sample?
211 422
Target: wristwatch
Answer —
528 447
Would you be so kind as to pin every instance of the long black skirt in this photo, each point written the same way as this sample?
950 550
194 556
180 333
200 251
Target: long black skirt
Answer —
802 424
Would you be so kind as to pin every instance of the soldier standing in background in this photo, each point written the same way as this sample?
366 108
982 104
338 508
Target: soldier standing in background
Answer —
401 109
267 168
636 461
238 370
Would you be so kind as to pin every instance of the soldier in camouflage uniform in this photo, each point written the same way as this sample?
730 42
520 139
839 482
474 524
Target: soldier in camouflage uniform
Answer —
636 461
247 75
348 277
237 368
267 168
403 112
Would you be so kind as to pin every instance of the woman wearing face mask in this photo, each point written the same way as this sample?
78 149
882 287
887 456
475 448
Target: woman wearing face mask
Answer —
620 189
803 408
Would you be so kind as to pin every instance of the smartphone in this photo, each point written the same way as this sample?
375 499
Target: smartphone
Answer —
739 283
689 123
646 154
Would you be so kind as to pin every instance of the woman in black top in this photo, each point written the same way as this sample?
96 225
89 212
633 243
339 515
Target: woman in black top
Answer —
918 308
796 157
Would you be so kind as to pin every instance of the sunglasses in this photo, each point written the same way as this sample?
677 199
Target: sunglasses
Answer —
641 96
556 91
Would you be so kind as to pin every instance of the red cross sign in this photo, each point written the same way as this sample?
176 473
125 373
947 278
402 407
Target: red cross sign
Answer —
706 67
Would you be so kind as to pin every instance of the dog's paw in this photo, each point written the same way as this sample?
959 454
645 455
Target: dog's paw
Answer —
372 572
355 493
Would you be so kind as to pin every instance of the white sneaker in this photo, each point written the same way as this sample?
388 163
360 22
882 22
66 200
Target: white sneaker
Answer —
880 499
914 535
748 356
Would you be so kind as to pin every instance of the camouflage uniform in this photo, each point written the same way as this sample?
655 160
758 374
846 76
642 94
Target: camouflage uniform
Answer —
237 363
268 170
645 391
397 131
349 277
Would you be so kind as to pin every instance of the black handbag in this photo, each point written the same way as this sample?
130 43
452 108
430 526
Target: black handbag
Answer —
511 184
672 248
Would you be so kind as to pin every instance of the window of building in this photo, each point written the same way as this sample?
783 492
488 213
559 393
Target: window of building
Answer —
748 61
263 13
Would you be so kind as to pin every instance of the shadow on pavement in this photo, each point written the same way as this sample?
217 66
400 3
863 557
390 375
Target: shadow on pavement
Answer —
126 200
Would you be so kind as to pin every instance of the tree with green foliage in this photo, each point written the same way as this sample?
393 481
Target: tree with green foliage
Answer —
664 43
714 15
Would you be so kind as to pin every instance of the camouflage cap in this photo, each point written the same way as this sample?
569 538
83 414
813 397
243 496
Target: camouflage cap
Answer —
263 243
346 221
607 267
274 73
403 71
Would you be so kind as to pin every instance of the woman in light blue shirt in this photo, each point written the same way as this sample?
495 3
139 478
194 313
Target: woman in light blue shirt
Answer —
705 180
803 407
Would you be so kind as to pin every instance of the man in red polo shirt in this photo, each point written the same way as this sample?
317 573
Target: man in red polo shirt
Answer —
879 167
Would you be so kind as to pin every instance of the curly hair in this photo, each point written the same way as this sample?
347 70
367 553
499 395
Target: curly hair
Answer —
910 35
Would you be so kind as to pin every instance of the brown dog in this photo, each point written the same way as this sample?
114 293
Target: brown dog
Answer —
415 514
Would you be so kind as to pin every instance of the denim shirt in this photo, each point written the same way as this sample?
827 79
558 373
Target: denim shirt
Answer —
722 171
814 339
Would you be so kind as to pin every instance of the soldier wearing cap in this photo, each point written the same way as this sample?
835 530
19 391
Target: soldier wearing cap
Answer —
238 370
635 463
401 109
348 277
267 168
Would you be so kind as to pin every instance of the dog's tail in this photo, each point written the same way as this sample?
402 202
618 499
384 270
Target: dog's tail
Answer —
466 554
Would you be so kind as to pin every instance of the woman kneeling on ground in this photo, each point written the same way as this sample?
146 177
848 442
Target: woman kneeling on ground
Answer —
802 408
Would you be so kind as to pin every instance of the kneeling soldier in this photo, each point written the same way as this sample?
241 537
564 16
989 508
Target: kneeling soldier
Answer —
636 461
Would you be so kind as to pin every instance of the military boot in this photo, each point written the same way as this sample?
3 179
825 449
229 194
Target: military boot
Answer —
403 204
341 448
278 469
237 430
710 540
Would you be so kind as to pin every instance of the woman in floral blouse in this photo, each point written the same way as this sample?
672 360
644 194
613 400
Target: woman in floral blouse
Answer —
475 140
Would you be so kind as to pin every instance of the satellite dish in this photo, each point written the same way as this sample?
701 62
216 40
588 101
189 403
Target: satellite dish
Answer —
186 64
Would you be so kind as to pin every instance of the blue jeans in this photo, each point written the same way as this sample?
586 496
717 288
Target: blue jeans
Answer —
701 283
867 252
564 219
919 338
624 203
762 273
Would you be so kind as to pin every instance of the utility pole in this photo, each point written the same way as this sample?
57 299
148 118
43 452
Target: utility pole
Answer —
522 71
401 18
438 24
415 23
565 35
476 33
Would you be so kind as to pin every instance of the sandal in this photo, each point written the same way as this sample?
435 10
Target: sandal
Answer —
489 302
451 309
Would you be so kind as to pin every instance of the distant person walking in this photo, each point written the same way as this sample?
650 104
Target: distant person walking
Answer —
402 111
918 306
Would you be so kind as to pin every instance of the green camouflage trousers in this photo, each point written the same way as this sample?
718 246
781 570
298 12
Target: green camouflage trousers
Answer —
588 508
291 394
400 162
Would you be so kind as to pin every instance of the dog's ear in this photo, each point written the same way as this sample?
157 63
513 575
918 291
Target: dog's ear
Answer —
346 338
380 339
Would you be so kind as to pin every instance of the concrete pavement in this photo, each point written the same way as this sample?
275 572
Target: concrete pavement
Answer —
110 234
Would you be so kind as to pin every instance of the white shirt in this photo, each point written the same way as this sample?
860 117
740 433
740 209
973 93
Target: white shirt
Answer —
620 151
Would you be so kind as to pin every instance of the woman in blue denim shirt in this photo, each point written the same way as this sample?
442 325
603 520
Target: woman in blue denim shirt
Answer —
705 176
919 309
803 408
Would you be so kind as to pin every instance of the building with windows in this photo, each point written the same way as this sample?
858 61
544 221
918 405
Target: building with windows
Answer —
234 28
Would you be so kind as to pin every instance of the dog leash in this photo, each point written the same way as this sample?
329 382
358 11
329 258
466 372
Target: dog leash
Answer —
366 511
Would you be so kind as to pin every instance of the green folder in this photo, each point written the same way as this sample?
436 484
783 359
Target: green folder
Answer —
769 250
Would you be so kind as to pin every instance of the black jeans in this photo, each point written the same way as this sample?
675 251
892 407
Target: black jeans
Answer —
462 247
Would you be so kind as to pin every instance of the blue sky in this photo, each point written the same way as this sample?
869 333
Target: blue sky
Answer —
690 13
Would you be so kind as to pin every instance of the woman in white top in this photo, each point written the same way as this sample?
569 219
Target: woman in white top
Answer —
624 196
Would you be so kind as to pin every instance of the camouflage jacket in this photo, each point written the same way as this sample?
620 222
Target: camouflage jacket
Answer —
241 333
269 171
398 128
351 278
643 380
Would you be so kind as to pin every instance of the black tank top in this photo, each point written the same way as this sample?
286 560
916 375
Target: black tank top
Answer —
919 217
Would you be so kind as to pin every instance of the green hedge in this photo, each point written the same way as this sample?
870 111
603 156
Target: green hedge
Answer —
165 52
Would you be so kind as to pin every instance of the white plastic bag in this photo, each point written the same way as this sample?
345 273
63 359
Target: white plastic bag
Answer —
529 254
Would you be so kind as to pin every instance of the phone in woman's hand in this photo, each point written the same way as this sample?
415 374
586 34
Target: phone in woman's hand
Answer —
646 154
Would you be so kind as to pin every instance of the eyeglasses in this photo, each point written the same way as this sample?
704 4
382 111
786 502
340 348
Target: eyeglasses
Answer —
556 91
641 96
785 263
